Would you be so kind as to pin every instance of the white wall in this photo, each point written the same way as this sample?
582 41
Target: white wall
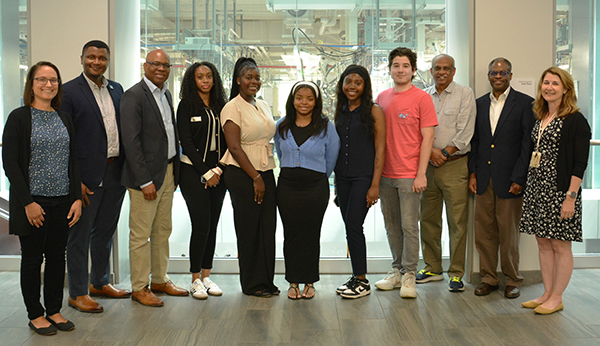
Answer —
59 29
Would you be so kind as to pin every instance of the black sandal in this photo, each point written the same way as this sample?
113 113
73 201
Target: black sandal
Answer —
294 286
307 288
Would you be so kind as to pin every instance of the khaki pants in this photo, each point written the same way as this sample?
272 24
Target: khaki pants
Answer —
497 226
150 226
445 184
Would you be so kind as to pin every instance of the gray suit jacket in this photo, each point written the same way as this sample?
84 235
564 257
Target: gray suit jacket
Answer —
144 138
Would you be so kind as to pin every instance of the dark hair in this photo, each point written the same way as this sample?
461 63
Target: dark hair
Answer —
28 93
318 123
504 60
366 99
407 52
95 43
189 90
240 65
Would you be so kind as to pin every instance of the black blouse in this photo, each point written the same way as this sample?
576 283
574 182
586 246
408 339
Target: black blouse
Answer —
357 151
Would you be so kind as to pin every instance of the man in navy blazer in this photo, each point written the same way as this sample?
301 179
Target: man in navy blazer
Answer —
150 174
498 163
93 103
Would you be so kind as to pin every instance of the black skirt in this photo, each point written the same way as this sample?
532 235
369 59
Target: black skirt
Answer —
302 198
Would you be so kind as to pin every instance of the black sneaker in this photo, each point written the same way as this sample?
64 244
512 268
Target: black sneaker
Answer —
344 287
455 284
358 288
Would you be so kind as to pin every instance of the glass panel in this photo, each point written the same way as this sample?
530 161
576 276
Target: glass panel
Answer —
13 69
577 52
292 40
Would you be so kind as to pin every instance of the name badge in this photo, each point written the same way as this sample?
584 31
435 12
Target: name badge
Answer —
196 119
536 156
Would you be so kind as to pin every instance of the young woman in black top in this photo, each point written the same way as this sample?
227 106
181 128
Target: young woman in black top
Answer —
203 143
361 126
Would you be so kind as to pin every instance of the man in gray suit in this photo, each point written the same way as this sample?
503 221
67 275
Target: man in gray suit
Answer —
150 175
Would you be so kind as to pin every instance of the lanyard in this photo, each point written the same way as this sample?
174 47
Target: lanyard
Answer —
542 128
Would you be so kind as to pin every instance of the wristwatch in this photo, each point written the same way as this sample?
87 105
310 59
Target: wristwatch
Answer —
445 153
572 194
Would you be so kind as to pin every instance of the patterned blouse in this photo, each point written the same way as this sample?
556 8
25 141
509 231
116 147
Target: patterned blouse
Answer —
49 161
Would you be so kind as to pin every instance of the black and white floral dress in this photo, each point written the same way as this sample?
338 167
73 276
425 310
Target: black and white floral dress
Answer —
542 202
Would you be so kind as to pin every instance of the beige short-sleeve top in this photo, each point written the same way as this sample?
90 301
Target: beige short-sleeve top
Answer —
257 129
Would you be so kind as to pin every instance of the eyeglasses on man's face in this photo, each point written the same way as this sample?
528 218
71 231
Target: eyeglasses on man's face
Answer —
502 73
157 64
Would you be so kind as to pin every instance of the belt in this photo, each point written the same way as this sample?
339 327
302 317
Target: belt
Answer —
452 158
112 159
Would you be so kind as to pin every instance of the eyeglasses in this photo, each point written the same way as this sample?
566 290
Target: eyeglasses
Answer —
503 73
157 64
44 80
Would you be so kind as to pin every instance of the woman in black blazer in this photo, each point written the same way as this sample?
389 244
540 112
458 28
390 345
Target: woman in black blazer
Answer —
40 160
203 143
552 209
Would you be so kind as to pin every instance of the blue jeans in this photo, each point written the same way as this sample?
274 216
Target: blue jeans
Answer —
401 214
93 234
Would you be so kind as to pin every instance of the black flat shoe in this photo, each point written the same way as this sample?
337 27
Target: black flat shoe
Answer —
62 326
50 330
262 294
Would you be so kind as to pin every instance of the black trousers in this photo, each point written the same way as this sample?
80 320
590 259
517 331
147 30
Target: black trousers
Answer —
255 226
49 242
352 198
204 207
302 205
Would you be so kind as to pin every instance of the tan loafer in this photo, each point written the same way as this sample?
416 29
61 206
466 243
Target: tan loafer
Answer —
109 291
169 288
146 297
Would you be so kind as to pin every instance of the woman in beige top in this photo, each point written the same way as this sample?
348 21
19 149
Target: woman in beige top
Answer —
249 128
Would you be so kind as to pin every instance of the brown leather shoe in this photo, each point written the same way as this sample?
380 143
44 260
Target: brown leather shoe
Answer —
109 291
512 292
169 288
484 289
146 297
85 304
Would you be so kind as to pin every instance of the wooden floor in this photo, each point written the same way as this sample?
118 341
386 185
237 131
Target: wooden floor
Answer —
436 317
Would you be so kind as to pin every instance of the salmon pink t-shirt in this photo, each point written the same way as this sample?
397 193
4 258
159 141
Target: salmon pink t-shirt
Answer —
406 113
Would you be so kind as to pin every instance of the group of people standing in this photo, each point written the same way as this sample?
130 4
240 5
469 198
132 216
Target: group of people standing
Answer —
85 143
524 158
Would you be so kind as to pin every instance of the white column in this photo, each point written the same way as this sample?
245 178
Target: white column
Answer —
458 38
125 62
125 41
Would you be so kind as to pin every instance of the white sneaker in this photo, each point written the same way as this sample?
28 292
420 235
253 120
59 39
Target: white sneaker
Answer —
211 287
198 290
409 286
392 280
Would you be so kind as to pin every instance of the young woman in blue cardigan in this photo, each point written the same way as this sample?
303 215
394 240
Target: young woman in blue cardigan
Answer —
307 145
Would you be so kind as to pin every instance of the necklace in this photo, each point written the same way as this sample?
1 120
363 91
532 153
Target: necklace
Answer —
303 123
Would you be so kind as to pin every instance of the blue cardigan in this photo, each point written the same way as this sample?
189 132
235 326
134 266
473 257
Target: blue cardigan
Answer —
319 153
